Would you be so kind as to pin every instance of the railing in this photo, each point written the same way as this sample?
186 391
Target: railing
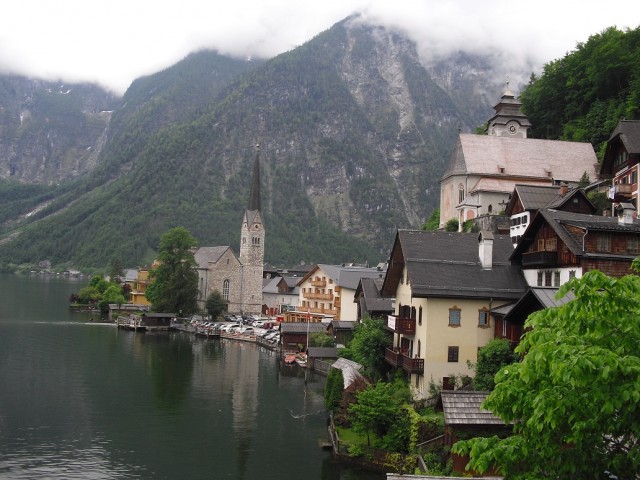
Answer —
318 283
408 364
317 296
403 325
540 259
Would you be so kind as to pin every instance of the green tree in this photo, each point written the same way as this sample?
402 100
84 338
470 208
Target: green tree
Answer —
452 225
113 294
379 407
174 283
433 222
333 388
320 339
116 272
216 304
491 358
574 399
368 345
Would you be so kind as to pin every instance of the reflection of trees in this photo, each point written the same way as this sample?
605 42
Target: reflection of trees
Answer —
171 365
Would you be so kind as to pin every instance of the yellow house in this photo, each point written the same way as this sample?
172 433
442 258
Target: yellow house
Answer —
445 286
138 288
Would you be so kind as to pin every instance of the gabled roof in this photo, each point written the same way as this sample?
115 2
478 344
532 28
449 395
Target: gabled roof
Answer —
463 407
535 197
488 155
345 276
565 225
627 133
206 255
445 264
273 285
371 299
343 325
536 298
322 352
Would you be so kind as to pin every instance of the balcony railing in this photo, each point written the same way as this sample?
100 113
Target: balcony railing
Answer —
319 283
317 296
539 259
403 325
408 364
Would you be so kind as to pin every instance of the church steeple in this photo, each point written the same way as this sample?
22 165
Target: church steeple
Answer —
508 121
254 195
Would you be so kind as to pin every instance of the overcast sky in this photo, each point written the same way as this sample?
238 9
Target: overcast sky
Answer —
112 42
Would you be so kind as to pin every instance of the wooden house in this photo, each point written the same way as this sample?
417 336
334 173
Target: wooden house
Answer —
621 162
293 336
464 418
369 299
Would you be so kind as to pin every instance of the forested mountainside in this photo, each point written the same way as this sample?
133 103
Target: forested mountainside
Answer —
354 131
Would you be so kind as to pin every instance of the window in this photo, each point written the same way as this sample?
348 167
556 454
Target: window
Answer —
454 317
504 328
633 245
255 241
460 193
604 243
483 318
556 279
420 316
452 354
540 278
551 244
572 274
225 289
547 278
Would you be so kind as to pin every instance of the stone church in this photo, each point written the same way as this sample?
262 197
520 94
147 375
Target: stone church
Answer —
239 280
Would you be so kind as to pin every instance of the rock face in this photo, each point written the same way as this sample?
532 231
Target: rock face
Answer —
355 133
50 132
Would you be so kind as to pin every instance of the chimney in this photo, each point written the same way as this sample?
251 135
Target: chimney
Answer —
485 249
564 189
625 213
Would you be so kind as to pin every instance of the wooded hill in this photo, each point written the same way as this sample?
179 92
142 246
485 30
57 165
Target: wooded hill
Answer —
354 131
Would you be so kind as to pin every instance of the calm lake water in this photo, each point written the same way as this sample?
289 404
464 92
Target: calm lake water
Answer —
81 399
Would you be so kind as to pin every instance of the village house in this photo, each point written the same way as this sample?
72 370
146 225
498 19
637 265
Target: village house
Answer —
369 300
484 169
621 162
561 245
329 290
280 294
445 286
526 200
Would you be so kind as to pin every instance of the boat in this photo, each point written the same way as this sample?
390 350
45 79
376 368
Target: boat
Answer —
290 358
301 359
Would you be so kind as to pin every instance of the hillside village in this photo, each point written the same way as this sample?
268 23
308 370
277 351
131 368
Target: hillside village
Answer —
443 295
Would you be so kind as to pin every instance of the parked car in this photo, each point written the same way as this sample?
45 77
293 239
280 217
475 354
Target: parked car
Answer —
247 331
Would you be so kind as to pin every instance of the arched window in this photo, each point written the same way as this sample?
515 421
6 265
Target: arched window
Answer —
460 193
225 289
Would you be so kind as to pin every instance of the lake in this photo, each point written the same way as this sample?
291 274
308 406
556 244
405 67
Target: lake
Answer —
82 399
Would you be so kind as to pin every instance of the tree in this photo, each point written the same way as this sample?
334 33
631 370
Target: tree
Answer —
433 222
113 294
379 407
174 283
574 399
491 358
116 271
333 389
368 345
215 304
320 339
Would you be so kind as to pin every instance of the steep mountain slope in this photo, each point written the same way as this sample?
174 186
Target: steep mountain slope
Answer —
354 136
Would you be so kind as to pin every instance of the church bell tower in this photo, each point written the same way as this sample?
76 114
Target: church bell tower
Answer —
508 121
252 247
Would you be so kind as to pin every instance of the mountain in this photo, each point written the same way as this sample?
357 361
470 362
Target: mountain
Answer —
354 133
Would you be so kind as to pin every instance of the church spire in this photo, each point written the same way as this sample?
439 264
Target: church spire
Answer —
254 195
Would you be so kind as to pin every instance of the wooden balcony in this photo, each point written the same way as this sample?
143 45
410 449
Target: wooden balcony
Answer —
319 283
317 296
400 360
403 325
540 259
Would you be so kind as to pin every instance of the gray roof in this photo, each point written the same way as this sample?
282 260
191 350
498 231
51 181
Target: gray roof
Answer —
302 327
463 407
445 264
373 300
350 370
629 131
349 276
343 325
547 296
536 298
206 255
522 157
535 197
323 352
